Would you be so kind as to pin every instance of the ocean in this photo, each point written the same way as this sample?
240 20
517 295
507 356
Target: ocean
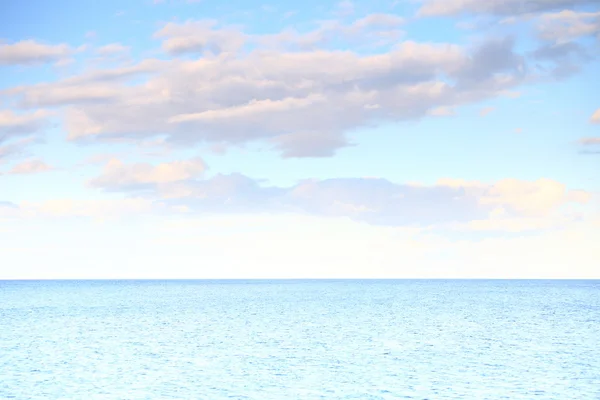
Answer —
401 339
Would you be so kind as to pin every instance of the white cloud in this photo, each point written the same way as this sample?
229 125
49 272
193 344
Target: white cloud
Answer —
567 25
536 198
119 175
32 52
32 166
590 141
378 20
85 208
371 32
595 118
344 8
199 37
442 112
485 111
251 109
112 48
91 87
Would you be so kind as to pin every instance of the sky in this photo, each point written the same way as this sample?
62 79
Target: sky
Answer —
184 139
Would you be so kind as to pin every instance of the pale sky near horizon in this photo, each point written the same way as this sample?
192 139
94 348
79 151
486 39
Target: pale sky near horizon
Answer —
245 139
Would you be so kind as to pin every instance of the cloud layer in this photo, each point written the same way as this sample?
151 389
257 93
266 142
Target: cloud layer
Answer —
296 92
509 203
269 89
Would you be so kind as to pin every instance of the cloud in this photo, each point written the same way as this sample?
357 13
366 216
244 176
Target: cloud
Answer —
287 90
310 144
32 52
113 48
442 112
560 60
199 37
8 209
485 111
282 98
495 7
562 51
378 20
371 31
32 166
118 175
95 86
495 56
13 124
515 225
207 38
567 25
375 201
66 208
590 141
254 107
536 198
14 148
595 118
8 204
344 8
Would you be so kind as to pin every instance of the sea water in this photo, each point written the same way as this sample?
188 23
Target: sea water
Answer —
413 339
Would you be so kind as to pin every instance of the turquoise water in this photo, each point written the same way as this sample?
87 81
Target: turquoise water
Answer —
299 340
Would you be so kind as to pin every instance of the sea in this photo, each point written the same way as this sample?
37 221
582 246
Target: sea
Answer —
300 339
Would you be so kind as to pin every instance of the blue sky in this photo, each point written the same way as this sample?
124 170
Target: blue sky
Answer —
197 139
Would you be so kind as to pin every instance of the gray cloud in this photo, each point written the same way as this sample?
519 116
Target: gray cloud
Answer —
560 60
560 51
310 144
496 7
559 26
493 57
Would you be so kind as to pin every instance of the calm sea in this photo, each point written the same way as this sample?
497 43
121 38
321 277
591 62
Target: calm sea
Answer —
300 340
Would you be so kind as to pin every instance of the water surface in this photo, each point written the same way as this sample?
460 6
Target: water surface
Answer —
214 340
